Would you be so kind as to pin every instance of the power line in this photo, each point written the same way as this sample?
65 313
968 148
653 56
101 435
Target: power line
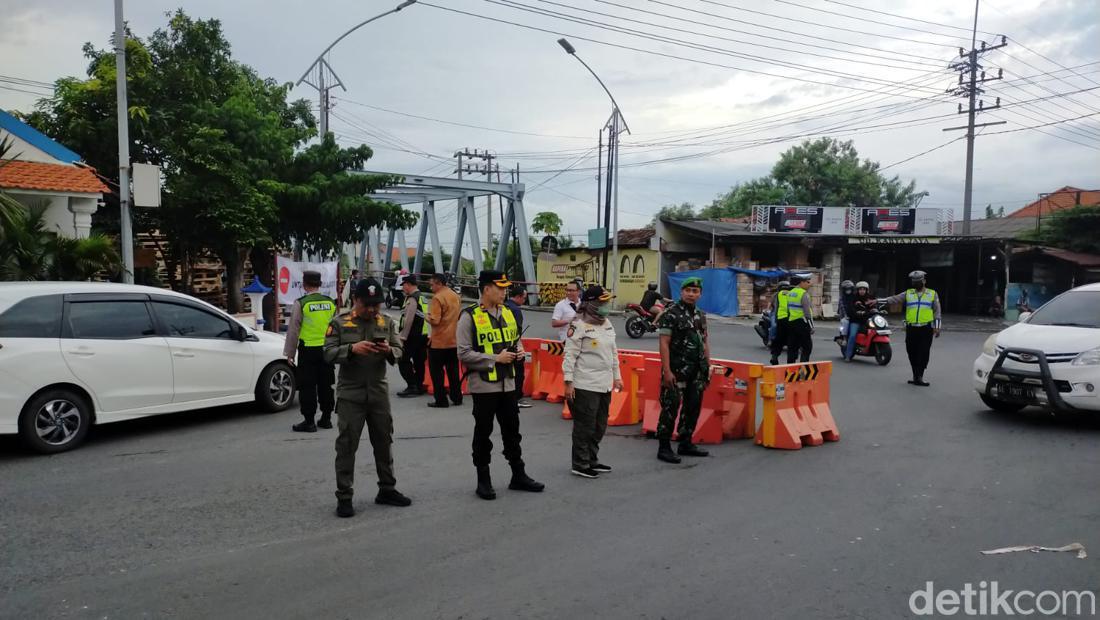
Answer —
923 21
690 45
459 124
1067 120
820 25
872 21
650 52
922 153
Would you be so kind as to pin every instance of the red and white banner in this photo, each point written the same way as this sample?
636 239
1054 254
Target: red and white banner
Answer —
288 284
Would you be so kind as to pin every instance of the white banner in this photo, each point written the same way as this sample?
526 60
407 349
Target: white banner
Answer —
289 284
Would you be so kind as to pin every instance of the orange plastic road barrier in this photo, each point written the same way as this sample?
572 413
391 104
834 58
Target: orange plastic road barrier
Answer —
709 428
796 406
446 381
625 405
550 384
732 394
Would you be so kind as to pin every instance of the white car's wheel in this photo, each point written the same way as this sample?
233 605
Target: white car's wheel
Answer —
55 421
275 389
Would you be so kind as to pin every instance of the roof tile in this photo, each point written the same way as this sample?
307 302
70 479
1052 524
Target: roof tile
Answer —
40 176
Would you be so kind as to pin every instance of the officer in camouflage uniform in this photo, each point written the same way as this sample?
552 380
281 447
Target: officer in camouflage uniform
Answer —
685 371
362 343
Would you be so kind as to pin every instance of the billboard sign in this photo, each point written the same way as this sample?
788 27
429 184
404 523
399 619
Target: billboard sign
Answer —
795 219
888 221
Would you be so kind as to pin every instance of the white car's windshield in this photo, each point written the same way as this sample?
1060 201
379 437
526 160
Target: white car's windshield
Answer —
1073 309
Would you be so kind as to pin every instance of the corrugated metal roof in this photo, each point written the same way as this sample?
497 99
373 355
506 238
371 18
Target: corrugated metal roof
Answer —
36 138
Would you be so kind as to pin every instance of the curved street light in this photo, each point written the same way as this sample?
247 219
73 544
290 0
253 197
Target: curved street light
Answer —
322 65
613 158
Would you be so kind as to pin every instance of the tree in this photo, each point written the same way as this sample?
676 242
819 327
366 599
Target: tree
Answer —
546 222
30 251
682 211
739 200
829 172
1076 229
991 214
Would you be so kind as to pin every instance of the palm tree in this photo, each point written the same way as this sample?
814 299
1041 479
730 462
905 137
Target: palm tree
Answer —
10 208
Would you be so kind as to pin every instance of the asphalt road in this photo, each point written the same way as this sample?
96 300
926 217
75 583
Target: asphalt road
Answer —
227 514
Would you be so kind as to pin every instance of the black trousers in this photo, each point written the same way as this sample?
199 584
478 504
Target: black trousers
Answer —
918 344
780 337
800 342
412 359
590 412
440 360
502 407
520 376
315 379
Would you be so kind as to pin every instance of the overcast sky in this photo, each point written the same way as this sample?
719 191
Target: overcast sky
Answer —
713 94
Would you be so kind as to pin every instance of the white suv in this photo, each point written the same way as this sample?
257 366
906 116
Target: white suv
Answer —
1051 358
74 354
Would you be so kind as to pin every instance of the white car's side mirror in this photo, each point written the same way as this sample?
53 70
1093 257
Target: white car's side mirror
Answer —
1024 316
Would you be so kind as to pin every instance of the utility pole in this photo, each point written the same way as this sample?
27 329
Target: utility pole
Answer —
127 232
971 77
485 168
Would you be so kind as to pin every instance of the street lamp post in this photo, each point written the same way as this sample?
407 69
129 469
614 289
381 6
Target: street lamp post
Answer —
322 67
617 124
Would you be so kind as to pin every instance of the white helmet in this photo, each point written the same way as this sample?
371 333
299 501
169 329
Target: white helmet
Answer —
863 284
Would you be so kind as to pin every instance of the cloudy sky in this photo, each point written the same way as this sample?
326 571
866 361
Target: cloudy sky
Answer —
712 90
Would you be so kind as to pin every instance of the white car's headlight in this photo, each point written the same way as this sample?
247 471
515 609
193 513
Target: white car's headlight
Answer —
990 346
1088 358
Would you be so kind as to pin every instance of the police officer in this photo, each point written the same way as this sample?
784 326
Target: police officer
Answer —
305 335
777 335
922 323
685 370
489 345
800 322
414 338
362 343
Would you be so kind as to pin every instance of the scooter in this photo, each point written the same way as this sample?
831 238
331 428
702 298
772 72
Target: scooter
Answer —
873 338
641 322
763 328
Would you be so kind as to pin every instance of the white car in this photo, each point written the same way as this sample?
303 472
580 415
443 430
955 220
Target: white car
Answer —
1051 358
74 354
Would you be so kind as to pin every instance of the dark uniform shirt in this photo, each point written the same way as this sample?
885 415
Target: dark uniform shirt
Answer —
687 327
362 378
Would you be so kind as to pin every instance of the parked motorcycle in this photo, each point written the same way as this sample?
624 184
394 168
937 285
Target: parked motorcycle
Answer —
873 338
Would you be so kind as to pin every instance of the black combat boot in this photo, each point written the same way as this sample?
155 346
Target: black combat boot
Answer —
392 497
485 483
687 448
665 453
325 421
344 509
522 482
306 426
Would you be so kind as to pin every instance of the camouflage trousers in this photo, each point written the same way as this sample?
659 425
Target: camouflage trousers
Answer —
685 398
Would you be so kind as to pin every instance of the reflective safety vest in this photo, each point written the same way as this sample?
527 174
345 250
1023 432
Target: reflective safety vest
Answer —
492 336
421 313
781 303
317 311
918 307
795 311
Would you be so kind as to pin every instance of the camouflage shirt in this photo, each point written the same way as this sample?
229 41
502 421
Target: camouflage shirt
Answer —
687 327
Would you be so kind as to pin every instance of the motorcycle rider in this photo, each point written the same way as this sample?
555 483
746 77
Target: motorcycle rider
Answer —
847 292
862 304
652 302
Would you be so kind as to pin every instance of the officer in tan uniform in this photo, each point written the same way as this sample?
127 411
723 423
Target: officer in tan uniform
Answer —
591 369
362 344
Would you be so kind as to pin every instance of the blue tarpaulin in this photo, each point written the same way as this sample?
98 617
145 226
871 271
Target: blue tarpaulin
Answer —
719 287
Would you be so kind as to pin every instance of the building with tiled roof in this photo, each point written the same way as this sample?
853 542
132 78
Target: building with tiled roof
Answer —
42 171
1057 200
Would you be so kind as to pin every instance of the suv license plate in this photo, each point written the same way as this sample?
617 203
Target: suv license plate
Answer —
1016 391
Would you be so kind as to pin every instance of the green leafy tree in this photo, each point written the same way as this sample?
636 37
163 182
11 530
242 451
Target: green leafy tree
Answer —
739 200
30 251
990 213
1076 229
546 222
682 211
830 172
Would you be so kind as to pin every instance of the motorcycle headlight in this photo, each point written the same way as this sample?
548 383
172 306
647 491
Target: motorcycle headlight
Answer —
990 346
1088 358
878 321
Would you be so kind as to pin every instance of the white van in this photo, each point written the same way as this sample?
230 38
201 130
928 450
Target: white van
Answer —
1050 358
